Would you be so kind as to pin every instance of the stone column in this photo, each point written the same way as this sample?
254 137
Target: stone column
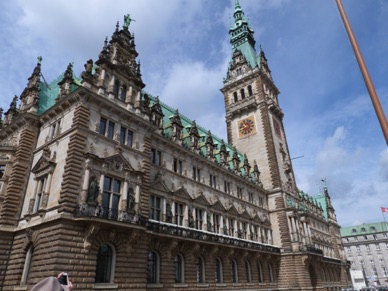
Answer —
138 193
85 185
123 206
221 225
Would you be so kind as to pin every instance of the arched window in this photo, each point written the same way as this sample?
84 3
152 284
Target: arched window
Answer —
105 264
248 271
219 277
200 269
323 275
270 272
234 271
260 272
250 92
179 269
27 266
153 267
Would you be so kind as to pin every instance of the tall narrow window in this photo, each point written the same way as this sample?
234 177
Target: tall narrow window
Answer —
260 272
234 271
154 208
111 197
179 269
179 214
198 218
270 272
219 278
196 174
231 227
235 98
27 266
116 88
178 166
129 138
226 187
156 157
111 129
242 93
40 192
153 268
213 181
200 269
248 271
103 123
104 268
250 92
123 133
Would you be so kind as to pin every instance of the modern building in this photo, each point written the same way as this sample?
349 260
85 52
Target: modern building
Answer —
102 179
366 247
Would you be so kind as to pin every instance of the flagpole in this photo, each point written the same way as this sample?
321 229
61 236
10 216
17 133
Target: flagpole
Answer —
364 71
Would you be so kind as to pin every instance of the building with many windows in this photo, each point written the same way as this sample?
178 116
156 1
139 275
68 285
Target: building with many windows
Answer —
366 247
101 178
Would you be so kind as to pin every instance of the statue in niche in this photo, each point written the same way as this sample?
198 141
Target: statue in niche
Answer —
191 218
130 200
93 190
225 229
168 213
208 221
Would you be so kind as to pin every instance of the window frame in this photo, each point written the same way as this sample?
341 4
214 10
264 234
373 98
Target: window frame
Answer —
200 269
155 209
153 268
156 157
179 264
27 265
219 271
111 264
234 270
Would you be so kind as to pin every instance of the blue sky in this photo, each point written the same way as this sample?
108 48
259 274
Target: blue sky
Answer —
184 50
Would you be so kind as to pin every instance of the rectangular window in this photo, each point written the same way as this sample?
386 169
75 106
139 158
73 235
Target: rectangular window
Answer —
103 123
111 197
129 138
123 133
242 92
226 187
235 98
154 208
213 181
358 249
348 249
178 166
39 194
55 129
250 196
196 174
239 192
276 126
198 218
231 227
250 92
179 214
156 157
216 223
111 129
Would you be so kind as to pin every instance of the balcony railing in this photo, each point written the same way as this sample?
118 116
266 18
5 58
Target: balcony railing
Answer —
172 229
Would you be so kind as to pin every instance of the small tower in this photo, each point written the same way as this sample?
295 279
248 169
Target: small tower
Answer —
30 95
253 116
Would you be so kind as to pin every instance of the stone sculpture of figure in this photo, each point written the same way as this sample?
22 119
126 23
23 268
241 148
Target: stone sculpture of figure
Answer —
127 21
208 221
225 229
12 106
191 218
168 213
93 190
239 233
130 199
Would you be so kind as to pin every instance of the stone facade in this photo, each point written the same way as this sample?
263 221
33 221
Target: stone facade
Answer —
124 193
366 247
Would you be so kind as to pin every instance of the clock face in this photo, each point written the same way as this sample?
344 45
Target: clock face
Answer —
246 126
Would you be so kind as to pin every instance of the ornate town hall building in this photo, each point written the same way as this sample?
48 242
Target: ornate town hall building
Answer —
101 179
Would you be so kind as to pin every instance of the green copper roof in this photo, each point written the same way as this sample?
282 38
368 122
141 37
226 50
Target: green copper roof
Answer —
241 37
49 92
364 229
169 112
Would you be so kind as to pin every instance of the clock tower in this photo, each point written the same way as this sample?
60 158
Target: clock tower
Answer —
253 116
